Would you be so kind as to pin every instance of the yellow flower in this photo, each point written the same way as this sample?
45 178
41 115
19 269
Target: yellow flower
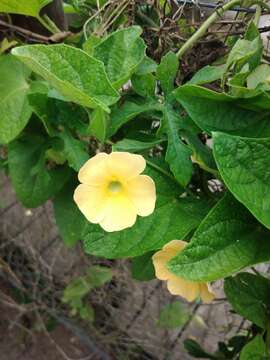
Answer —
112 192
176 285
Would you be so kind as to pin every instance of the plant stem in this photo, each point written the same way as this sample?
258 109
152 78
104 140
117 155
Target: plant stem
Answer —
218 13
258 14
48 24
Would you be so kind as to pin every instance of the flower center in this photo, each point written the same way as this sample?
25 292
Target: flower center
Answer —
115 187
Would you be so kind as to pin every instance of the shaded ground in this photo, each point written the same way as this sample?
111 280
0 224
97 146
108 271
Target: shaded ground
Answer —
17 344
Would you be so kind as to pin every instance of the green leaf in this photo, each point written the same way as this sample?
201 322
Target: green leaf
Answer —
214 111
122 114
28 8
147 66
207 74
258 76
144 85
34 183
173 218
56 114
76 289
245 51
249 296
98 275
121 52
14 106
70 221
178 154
77 76
98 124
167 70
90 44
228 240
74 150
142 267
194 349
87 313
173 316
242 163
255 350
135 145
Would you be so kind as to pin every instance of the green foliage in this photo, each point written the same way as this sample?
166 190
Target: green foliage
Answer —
228 232
213 111
74 150
172 218
70 221
207 74
14 105
122 114
194 349
142 267
30 173
78 288
249 296
98 124
121 52
173 316
77 76
69 109
243 163
254 350
29 8
178 154
166 72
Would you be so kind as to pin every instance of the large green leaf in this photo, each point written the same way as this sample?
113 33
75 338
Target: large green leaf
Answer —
14 107
69 219
167 70
173 218
178 154
227 240
249 296
28 7
76 75
255 350
34 183
121 52
213 111
243 164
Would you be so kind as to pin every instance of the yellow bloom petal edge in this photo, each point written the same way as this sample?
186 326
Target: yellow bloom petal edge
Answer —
176 285
112 192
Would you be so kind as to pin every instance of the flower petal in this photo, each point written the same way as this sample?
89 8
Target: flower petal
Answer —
161 258
124 165
120 214
206 293
91 201
94 171
142 192
187 289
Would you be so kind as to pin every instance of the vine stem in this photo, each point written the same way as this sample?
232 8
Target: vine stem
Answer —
48 24
218 13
